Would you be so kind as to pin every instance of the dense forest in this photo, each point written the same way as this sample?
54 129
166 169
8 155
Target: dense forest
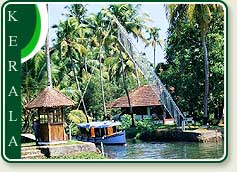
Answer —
86 64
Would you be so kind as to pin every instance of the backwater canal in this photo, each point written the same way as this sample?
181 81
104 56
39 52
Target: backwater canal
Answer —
136 149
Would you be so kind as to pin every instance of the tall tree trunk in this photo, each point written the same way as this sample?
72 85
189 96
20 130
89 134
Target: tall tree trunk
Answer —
206 84
126 90
48 59
101 82
136 74
154 55
77 84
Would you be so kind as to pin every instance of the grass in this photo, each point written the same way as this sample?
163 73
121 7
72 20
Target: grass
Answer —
216 127
69 142
82 155
72 142
28 144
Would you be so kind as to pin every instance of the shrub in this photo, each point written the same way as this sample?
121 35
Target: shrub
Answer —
82 155
126 121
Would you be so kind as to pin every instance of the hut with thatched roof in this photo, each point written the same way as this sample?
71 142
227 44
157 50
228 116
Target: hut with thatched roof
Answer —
49 105
144 103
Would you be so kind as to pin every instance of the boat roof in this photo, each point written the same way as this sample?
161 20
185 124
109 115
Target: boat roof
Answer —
100 124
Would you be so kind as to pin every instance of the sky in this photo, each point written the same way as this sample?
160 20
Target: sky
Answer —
156 12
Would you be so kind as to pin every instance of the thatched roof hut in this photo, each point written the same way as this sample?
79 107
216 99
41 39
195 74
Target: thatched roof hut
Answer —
50 105
141 97
49 98
143 100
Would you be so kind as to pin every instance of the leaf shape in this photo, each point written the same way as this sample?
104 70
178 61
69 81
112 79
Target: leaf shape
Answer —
79 48
64 48
72 23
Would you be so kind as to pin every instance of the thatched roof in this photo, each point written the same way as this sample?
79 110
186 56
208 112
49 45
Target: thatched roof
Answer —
141 97
50 97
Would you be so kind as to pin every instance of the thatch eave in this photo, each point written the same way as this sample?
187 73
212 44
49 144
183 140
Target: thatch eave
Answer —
143 96
50 98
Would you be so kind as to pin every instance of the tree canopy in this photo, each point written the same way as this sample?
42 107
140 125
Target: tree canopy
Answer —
185 69
86 62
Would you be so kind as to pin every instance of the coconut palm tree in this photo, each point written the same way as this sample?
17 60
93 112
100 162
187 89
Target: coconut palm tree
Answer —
48 59
101 28
200 14
126 89
77 10
134 22
128 16
154 40
70 37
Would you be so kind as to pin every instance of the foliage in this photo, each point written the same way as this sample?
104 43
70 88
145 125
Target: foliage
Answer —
126 121
154 40
74 118
82 155
77 116
86 66
85 60
184 72
33 81
140 127
146 124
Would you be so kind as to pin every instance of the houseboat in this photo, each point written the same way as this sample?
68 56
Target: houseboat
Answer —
105 131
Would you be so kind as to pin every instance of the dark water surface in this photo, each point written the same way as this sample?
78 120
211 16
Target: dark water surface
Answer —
165 150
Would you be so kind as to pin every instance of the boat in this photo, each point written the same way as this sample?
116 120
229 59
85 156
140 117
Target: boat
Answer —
105 132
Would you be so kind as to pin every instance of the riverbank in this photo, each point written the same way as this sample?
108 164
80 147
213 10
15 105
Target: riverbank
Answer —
171 134
70 150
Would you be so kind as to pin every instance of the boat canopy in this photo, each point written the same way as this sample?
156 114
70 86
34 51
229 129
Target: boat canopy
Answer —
102 124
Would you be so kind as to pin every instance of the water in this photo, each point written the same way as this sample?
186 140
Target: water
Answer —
165 150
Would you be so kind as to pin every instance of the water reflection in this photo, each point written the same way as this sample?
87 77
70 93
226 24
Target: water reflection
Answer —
165 150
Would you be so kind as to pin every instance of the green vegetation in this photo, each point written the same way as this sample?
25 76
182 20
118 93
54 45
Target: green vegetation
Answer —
28 144
69 142
75 117
193 78
72 142
140 126
148 130
82 155
88 66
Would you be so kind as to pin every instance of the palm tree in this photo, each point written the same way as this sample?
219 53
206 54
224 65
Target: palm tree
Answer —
200 14
154 41
48 59
73 118
34 79
126 89
101 29
77 10
70 36
128 15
